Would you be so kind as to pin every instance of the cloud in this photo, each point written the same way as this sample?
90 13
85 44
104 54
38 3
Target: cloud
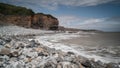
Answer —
114 19
75 20
104 24
69 20
54 4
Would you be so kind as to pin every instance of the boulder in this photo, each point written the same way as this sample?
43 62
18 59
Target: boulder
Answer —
59 65
7 45
5 51
112 65
2 42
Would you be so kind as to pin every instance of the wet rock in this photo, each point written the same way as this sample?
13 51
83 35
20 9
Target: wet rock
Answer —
15 65
4 51
13 59
93 64
2 42
61 53
32 44
59 65
87 64
81 59
4 58
70 53
19 45
75 66
39 49
7 39
67 58
59 59
15 54
112 65
29 52
80 65
28 59
49 65
66 64
43 54
32 54
7 45
1 65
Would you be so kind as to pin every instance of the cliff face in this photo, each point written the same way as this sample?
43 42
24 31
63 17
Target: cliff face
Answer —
24 21
41 21
22 16
44 21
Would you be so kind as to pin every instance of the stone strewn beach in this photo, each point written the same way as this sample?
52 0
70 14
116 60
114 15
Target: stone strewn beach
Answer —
21 52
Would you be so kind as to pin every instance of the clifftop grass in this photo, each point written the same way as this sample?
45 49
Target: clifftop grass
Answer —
7 9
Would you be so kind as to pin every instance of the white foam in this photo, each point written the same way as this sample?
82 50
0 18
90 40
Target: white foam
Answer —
50 41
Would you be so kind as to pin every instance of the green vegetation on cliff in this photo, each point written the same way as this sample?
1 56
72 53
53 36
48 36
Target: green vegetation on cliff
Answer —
7 9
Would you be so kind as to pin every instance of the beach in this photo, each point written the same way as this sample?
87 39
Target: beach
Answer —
42 49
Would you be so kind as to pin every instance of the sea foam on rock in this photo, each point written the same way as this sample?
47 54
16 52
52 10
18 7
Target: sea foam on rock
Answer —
22 53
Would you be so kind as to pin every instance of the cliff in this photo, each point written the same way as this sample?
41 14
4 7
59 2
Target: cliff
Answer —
44 21
28 19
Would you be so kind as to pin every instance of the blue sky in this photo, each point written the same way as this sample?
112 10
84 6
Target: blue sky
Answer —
84 14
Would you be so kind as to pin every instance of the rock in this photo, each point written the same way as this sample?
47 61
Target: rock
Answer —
75 66
112 65
7 39
15 65
81 59
32 54
93 64
32 44
7 45
70 53
13 59
80 66
87 64
1 65
59 59
18 44
61 53
2 42
43 53
5 51
4 58
39 49
59 65
15 54
49 65
28 59
68 59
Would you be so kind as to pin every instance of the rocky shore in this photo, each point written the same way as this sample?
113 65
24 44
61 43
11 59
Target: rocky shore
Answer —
19 52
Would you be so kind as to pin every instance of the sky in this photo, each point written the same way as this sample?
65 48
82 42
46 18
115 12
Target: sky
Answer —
82 14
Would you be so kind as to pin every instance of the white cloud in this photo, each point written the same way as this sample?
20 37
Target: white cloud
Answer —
105 24
92 21
53 4
70 20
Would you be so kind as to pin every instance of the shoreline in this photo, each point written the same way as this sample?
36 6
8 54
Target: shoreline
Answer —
38 55
47 41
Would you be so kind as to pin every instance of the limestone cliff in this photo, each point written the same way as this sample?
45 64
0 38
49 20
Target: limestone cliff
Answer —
44 21
28 19
41 21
